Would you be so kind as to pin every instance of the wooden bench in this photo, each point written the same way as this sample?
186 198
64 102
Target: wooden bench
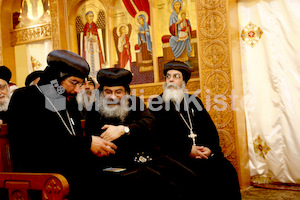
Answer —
15 185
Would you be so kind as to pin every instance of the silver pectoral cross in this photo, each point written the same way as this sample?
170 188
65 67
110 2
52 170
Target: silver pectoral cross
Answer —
193 136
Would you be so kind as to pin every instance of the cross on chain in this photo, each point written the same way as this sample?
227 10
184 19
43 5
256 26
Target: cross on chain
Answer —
193 136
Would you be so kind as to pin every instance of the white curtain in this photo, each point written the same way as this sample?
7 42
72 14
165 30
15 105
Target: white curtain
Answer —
271 81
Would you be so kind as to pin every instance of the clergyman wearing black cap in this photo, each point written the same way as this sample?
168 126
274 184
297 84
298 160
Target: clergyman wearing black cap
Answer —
186 133
5 75
33 78
86 96
46 135
123 119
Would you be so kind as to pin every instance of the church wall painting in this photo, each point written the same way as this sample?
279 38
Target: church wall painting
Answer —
136 38
177 33
133 17
90 29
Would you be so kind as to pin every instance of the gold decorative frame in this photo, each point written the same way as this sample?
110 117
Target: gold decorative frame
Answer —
54 12
30 34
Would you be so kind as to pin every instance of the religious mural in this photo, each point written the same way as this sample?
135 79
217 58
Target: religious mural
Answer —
90 28
144 39
135 17
180 29
174 35
138 46
179 41
121 36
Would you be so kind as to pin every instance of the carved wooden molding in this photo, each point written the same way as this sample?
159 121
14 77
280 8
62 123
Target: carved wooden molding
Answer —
55 24
53 189
215 71
30 34
19 195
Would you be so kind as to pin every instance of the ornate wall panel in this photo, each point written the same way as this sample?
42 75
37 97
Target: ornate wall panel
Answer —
215 72
31 34
55 24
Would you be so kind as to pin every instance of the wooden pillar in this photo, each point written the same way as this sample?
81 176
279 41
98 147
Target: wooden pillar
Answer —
7 53
58 26
220 79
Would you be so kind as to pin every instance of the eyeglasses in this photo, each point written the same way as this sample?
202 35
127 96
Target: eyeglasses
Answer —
176 76
2 87
75 83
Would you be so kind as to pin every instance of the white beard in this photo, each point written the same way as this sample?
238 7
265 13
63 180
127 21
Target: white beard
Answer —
112 109
90 98
174 93
4 104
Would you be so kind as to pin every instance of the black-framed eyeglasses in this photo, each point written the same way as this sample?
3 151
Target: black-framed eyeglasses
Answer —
75 83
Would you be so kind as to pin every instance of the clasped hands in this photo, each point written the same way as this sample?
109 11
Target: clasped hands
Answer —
200 152
103 146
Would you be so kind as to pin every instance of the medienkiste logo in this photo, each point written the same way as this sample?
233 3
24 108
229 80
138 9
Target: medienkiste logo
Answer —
54 100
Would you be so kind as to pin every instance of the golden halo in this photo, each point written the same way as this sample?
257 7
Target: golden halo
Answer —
139 14
86 9
119 26
170 7
186 14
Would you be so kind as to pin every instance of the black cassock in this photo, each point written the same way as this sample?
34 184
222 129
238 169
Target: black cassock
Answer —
140 122
3 116
41 143
137 182
215 177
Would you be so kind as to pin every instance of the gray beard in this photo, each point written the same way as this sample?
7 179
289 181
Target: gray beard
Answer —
4 104
109 110
90 97
175 93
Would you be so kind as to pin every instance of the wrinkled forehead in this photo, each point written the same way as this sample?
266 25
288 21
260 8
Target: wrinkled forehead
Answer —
2 82
173 71
113 88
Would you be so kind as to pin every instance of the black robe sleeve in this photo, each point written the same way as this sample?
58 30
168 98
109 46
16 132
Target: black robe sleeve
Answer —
142 121
207 134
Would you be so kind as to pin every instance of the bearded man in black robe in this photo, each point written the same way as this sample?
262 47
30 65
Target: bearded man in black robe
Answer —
186 133
124 120
46 135
5 75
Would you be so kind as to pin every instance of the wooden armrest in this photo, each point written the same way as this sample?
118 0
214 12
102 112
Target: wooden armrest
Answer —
53 186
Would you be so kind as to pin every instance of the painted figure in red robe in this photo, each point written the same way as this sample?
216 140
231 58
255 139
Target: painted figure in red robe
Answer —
124 48
91 48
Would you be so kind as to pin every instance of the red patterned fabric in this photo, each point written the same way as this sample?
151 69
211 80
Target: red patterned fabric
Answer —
142 5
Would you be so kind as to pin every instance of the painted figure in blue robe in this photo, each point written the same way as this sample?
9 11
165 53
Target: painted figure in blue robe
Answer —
144 39
177 44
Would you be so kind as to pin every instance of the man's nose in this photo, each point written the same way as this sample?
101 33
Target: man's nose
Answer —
113 96
171 79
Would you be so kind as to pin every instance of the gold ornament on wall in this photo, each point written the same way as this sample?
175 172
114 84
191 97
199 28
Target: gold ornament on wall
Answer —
35 63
